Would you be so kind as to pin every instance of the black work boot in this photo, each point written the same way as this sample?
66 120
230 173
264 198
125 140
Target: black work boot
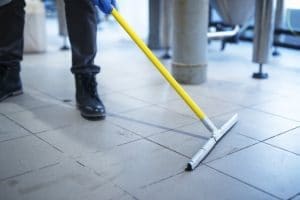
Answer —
10 82
88 101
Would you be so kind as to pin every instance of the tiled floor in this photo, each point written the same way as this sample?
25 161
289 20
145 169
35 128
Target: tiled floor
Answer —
47 151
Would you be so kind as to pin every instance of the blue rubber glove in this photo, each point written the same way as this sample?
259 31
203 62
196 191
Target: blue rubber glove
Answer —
105 6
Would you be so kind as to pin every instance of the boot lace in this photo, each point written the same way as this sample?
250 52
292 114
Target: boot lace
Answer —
92 87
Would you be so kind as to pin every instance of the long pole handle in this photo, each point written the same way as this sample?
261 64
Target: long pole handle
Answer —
160 67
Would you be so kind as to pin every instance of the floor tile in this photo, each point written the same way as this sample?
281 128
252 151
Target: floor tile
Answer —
288 141
212 107
154 94
230 143
203 183
29 100
189 139
284 84
10 130
150 120
135 164
185 140
285 107
259 125
231 92
125 197
296 197
47 118
71 158
122 83
25 154
118 103
63 181
59 83
80 139
275 171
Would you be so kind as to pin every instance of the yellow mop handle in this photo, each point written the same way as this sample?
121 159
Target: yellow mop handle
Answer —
161 68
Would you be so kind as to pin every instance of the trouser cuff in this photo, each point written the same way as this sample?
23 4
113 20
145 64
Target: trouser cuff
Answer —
89 69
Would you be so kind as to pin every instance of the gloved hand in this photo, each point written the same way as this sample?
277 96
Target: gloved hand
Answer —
105 6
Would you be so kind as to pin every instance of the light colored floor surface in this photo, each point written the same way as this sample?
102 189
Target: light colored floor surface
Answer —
47 151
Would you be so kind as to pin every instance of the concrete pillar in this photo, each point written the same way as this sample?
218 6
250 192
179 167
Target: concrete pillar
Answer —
189 64
279 23
154 24
263 34
166 26
279 16
263 30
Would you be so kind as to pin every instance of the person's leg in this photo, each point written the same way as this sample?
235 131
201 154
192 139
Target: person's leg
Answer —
11 47
82 29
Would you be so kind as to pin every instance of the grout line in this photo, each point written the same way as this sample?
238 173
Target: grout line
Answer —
36 136
32 134
161 180
282 148
264 141
42 106
17 175
125 143
165 129
244 182
80 163
211 116
38 108
228 112
258 142
50 165
261 103
19 137
183 132
149 140
266 112
53 146
233 152
48 95
294 196
106 149
126 192
54 129
281 133
167 148
17 124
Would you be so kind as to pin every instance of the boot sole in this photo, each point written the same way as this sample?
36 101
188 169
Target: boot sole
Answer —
91 117
12 94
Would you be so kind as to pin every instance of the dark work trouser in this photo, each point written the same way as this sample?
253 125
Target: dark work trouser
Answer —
11 34
82 28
